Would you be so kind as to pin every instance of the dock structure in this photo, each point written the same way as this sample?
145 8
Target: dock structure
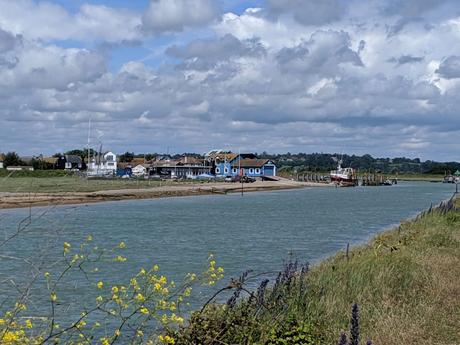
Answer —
313 177
365 180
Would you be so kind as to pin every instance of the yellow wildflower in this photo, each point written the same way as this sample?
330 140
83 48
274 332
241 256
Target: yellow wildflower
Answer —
97 325
53 297
156 268
105 341
144 310
166 339
29 324
117 333
67 247
47 275
142 272
140 298
100 285
99 299
89 238
122 245
139 333
115 290
120 258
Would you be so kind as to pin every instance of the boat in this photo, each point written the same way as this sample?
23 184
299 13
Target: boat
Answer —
343 176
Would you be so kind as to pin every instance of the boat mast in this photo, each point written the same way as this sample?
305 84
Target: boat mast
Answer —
89 139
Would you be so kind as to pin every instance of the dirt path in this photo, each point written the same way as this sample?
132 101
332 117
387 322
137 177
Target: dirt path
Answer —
18 200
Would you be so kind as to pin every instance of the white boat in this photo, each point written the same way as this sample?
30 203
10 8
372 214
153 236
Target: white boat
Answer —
343 176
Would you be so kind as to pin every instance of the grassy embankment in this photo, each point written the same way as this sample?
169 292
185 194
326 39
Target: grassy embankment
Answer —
54 181
406 282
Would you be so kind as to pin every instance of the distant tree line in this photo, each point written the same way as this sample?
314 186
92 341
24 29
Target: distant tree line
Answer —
325 161
288 162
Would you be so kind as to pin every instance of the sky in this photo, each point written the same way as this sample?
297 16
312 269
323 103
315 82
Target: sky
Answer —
339 76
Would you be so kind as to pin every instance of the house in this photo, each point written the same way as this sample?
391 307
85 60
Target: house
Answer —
103 164
226 163
185 167
69 162
140 170
254 167
2 158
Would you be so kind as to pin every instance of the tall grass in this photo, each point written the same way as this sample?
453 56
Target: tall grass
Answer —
406 282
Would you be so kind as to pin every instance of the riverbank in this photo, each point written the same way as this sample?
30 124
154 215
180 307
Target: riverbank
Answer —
406 282
33 199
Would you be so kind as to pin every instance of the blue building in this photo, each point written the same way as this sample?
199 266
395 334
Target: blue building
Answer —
244 164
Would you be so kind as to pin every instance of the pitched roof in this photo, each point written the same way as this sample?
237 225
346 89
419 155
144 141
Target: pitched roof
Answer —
251 163
73 159
50 160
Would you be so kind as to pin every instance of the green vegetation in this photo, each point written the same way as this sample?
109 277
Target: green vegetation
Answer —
406 282
324 162
56 181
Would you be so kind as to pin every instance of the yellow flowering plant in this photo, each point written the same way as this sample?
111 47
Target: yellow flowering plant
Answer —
145 309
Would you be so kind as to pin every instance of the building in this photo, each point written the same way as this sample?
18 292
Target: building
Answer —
254 167
69 162
104 164
226 163
2 158
140 170
185 167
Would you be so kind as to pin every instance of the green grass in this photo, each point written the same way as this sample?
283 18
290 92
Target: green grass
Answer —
72 183
405 281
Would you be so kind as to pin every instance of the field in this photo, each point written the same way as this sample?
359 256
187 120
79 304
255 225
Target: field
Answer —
59 182
406 283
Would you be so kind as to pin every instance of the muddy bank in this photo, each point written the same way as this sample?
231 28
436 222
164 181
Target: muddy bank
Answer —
20 200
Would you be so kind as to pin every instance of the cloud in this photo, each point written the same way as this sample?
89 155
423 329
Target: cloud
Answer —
410 8
49 21
308 12
8 41
406 59
205 54
322 53
245 81
175 15
450 68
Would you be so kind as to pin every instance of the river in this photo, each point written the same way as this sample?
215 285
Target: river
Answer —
256 231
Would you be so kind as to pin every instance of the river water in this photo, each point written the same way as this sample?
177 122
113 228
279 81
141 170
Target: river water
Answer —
256 231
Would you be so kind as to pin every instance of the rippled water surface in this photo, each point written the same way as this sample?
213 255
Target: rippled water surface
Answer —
256 231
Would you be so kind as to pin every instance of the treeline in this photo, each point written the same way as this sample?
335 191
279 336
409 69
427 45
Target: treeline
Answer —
324 162
288 162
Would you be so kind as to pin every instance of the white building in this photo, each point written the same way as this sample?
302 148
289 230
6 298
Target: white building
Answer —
105 164
139 170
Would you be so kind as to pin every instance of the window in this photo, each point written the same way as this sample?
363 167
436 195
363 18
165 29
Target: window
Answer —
225 170
234 170
217 170
257 171
251 171
110 164
109 158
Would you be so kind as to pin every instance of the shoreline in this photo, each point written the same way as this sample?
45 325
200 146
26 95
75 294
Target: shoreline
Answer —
10 200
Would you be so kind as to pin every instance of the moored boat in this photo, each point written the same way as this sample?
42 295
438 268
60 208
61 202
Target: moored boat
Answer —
343 176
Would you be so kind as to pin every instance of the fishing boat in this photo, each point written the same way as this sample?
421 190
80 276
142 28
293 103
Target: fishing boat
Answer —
343 176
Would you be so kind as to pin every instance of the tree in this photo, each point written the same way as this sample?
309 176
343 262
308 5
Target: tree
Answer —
127 157
12 158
